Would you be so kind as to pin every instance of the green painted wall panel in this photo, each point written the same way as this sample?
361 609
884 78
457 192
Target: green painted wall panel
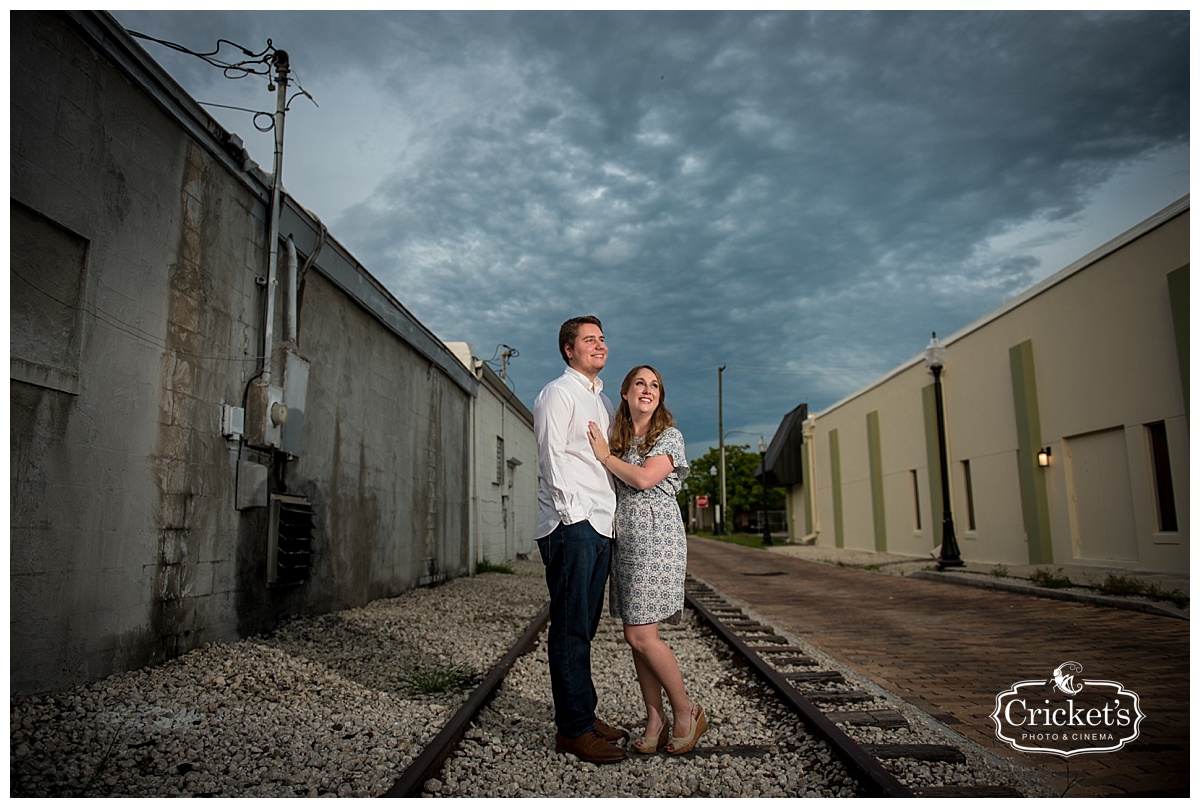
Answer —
835 475
810 490
875 457
933 463
1178 285
1035 508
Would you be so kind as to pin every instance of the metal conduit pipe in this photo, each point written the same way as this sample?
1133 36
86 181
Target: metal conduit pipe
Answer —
293 285
282 68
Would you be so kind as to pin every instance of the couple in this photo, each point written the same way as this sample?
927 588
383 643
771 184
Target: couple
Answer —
585 522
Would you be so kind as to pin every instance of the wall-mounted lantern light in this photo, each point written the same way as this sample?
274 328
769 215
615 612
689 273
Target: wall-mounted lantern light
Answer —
1043 456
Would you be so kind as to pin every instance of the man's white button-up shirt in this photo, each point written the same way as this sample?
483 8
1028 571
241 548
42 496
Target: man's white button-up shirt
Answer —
572 483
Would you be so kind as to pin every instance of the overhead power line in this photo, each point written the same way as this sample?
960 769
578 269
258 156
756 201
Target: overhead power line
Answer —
255 64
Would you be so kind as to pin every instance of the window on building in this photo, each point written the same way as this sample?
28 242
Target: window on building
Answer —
499 460
916 487
970 493
1164 487
46 276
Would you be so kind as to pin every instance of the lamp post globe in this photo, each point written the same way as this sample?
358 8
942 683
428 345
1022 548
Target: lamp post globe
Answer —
935 360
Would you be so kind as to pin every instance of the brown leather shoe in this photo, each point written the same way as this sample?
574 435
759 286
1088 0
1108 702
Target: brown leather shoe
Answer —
611 734
590 746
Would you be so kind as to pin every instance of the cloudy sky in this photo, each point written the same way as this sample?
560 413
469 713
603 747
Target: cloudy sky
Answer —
801 197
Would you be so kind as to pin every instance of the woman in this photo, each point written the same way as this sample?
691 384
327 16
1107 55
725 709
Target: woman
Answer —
650 552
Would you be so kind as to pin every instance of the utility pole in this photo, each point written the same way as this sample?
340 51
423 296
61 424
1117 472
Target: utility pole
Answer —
282 68
508 353
721 443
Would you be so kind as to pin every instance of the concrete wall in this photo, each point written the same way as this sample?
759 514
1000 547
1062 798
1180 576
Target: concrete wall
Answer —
508 490
1084 363
505 513
136 321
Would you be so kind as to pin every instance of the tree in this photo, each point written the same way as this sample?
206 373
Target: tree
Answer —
742 489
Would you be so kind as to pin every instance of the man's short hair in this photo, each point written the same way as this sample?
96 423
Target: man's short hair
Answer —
570 330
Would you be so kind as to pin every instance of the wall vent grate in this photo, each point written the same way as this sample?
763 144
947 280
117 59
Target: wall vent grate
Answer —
290 544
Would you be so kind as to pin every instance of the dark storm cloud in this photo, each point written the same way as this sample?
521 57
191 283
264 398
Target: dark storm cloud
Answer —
800 196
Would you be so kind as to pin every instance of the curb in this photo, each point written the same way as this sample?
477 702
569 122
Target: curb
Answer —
1053 594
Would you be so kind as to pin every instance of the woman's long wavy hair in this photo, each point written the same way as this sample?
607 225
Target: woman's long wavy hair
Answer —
660 419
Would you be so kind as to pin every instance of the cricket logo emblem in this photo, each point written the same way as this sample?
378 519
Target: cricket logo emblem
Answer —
1067 715
1064 678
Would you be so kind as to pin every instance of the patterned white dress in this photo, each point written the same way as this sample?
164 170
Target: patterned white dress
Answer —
649 541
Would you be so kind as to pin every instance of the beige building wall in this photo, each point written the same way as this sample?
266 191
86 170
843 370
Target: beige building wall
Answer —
1091 363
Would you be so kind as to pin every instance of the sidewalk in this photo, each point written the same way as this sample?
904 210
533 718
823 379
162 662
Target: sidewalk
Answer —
1086 580
949 650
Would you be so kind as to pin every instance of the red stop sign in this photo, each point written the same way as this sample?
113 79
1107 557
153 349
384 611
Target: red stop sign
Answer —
702 501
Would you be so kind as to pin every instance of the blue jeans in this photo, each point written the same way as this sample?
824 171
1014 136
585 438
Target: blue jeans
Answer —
576 559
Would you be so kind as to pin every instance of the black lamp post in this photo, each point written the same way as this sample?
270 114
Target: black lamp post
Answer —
935 359
712 470
766 525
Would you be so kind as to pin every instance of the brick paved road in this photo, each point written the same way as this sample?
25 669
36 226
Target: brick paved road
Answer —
948 650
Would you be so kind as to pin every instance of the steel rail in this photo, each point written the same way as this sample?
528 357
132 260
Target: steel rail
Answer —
876 779
872 776
429 762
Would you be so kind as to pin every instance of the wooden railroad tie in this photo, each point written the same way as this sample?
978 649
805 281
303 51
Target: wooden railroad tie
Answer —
749 625
868 718
814 676
837 696
914 751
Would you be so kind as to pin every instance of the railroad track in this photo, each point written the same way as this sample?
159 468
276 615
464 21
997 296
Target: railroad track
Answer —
797 679
831 708
427 764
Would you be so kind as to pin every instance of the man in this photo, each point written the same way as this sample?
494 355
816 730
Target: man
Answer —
576 502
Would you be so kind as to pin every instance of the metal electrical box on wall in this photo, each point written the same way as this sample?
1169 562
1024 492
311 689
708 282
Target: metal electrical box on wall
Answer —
295 393
233 421
253 470
265 415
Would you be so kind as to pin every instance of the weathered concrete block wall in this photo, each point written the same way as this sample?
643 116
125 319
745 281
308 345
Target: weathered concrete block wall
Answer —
135 316
384 456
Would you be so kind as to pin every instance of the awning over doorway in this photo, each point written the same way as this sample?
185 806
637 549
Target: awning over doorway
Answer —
783 458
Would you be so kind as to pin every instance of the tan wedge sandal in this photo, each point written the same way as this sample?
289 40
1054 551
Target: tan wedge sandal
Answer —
648 745
679 746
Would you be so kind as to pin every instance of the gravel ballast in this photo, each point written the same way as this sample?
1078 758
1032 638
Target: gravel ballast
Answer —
333 706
